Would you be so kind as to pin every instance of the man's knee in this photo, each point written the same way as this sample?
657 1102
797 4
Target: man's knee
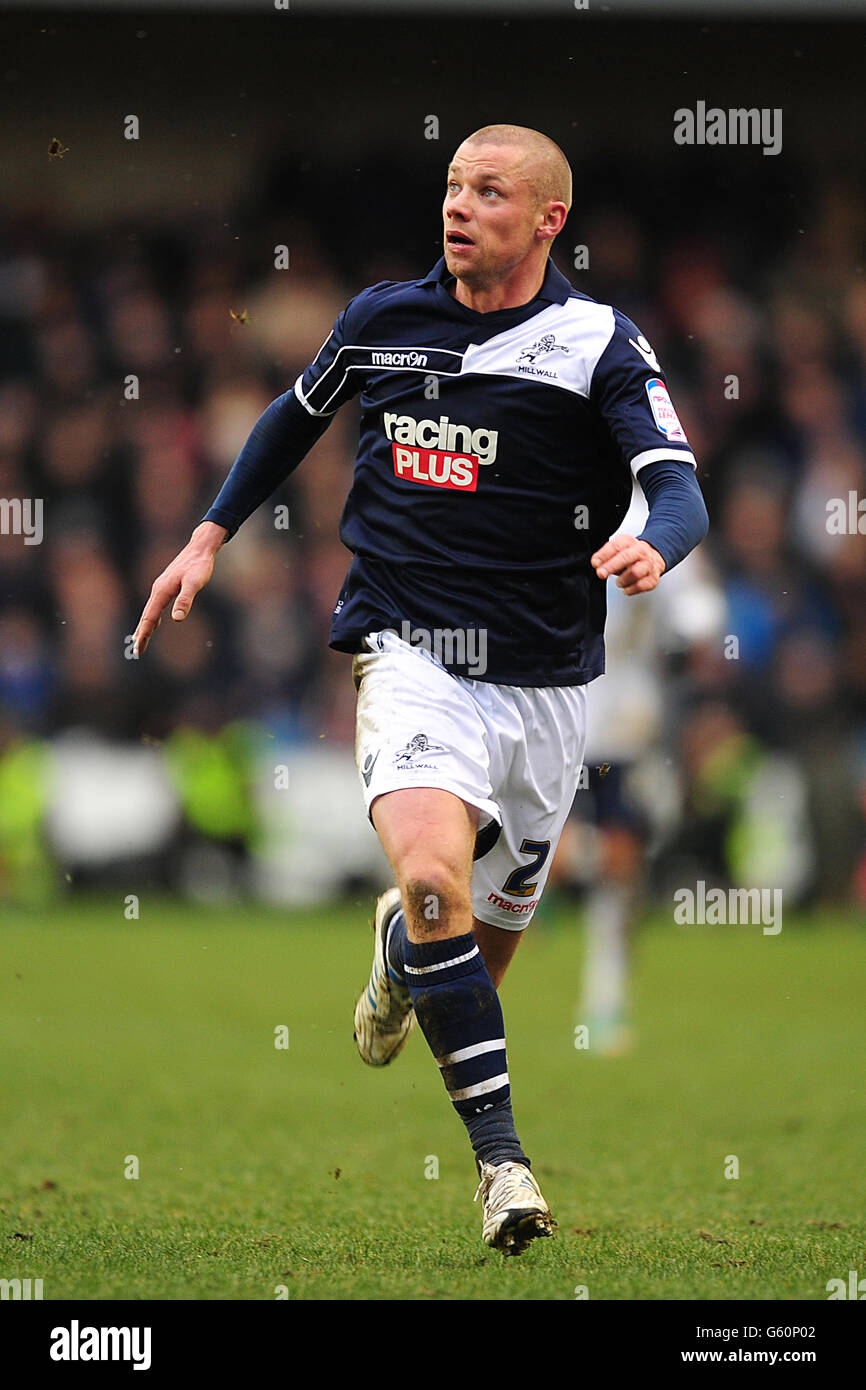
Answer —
428 835
436 899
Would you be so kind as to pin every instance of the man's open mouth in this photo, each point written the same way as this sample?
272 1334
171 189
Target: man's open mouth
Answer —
459 239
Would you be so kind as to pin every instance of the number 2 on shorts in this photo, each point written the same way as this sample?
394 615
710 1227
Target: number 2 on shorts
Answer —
516 884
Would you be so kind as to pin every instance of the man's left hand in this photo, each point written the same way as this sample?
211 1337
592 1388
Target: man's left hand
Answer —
638 565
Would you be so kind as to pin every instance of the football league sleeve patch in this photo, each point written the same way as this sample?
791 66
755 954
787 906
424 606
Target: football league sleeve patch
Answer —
630 392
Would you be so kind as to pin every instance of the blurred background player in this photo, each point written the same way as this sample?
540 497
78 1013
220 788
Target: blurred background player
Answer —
627 803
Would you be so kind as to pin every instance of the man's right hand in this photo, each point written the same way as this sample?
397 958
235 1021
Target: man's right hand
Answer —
185 576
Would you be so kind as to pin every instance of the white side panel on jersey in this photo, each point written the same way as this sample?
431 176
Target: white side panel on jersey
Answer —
558 347
637 515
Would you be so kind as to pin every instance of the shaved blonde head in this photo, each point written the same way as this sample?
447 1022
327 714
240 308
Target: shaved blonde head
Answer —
507 195
544 166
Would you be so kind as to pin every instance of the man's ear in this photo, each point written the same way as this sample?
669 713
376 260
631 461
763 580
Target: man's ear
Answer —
554 221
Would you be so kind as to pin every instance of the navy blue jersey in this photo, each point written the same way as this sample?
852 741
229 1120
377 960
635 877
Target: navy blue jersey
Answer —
496 455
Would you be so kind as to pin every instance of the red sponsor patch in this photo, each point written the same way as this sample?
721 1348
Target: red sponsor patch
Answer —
436 468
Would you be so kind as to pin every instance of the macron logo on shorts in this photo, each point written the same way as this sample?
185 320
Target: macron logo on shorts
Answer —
508 906
437 452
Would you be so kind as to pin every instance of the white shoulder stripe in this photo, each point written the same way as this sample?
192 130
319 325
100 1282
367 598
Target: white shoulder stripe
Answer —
559 347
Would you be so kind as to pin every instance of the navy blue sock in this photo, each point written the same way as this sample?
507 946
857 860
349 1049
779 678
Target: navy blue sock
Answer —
459 1013
395 946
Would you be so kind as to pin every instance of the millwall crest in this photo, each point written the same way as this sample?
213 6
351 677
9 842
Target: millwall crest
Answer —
419 746
544 345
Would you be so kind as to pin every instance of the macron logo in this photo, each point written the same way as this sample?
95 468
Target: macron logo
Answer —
76 1343
399 359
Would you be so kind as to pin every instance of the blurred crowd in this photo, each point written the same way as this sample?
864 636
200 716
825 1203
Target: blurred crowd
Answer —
134 360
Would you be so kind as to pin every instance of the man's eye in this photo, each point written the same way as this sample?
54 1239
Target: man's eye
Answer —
492 190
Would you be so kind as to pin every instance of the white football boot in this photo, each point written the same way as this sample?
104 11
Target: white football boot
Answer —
515 1213
384 1016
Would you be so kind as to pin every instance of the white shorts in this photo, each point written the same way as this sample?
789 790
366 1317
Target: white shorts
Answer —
515 752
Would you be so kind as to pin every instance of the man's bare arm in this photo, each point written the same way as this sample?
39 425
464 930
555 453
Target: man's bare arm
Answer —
182 580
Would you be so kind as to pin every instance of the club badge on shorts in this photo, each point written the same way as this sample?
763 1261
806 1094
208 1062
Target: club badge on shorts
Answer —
417 747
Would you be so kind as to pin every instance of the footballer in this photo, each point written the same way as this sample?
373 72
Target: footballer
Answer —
504 416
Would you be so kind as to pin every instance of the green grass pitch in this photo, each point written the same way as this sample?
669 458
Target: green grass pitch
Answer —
264 1168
